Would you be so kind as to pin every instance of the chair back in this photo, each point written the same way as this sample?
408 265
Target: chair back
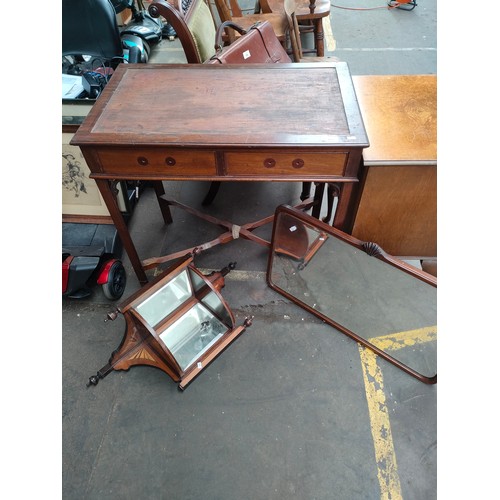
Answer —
227 9
226 14
236 10
89 27
194 25
290 7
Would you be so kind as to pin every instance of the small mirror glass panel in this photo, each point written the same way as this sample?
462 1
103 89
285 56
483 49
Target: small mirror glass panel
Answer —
193 334
166 300
211 300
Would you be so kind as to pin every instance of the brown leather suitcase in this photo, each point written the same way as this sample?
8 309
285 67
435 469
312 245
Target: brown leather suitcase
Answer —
257 45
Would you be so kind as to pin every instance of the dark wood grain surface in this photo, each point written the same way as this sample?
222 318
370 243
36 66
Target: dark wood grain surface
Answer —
285 104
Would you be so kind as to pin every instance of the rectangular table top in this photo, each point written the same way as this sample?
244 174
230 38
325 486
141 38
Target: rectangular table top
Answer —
253 105
400 116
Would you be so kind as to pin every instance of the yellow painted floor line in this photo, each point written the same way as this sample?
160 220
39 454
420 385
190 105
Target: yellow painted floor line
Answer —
385 456
395 341
330 43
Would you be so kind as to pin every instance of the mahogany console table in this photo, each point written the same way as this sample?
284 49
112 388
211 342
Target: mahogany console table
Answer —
275 122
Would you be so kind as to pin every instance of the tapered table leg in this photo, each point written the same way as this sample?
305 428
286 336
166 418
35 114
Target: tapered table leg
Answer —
121 227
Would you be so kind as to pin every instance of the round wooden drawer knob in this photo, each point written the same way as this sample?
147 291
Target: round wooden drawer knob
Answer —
269 163
142 160
298 163
170 161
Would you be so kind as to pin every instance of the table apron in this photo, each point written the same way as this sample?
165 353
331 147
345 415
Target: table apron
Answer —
263 164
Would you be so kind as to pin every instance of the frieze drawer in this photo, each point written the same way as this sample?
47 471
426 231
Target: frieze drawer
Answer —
271 163
162 161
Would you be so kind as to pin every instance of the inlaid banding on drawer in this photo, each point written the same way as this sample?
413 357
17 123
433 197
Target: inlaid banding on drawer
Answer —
271 163
161 161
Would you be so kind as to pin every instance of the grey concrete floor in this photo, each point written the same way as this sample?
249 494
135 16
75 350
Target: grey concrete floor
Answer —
285 412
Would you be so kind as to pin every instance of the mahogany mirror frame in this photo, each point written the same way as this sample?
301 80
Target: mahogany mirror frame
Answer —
371 249
141 343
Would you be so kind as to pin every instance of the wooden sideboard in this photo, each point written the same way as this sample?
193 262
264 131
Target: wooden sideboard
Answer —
398 198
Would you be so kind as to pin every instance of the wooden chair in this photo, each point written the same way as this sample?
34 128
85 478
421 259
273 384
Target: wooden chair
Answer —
229 10
310 14
194 25
290 8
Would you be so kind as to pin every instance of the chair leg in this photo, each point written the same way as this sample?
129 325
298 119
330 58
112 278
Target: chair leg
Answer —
212 193
164 207
306 191
332 193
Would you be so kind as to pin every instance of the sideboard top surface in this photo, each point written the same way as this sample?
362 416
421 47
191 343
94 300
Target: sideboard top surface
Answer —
400 116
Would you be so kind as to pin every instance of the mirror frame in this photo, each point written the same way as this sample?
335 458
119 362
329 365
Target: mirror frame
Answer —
371 249
141 343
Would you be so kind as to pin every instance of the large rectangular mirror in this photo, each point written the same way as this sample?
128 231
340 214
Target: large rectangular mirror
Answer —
381 302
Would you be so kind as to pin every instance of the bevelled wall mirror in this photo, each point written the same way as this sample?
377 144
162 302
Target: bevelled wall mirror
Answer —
381 302
179 323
